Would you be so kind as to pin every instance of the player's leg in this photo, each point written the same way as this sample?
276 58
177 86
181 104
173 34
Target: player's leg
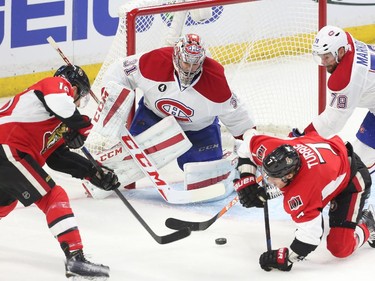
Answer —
60 218
207 145
7 202
347 233
364 145
143 119
23 178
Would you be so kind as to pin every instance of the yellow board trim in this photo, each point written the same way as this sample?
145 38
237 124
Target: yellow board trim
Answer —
10 86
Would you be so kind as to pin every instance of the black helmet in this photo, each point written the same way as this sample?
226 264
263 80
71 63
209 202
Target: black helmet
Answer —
76 76
282 161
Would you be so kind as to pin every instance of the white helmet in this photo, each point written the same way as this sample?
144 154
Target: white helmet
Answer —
188 49
329 40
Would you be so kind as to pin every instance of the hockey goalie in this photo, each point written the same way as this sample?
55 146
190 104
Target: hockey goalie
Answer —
185 95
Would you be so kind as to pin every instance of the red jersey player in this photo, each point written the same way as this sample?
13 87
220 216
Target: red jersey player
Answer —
37 127
311 173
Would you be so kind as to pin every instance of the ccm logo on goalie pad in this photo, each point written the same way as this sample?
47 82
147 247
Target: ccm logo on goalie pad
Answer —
143 161
100 106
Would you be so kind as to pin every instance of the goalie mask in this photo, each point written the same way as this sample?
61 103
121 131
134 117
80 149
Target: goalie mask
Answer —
328 41
281 162
188 58
77 77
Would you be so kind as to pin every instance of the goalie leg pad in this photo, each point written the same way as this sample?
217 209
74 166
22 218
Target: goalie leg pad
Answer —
113 114
203 174
163 143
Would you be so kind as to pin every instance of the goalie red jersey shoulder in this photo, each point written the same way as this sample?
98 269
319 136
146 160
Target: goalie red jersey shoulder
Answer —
212 76
156 58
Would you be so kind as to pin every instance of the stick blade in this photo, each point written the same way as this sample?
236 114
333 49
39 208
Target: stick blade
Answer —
173 223
174 236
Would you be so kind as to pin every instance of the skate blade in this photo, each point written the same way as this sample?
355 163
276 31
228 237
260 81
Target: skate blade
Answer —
82 278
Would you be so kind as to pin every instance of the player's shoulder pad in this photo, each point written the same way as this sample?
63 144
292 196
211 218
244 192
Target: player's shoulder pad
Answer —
157 65
341 77
213 84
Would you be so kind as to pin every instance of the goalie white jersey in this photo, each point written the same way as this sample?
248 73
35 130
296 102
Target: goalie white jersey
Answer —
195 107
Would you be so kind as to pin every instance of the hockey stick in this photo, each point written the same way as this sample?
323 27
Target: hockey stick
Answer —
149 169
174 236
53 43
203 225
267 226
174 223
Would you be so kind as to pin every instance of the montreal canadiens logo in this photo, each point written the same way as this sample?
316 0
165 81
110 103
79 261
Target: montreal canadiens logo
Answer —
193 49
180 111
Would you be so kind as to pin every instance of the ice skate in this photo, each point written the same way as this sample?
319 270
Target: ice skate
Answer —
77 265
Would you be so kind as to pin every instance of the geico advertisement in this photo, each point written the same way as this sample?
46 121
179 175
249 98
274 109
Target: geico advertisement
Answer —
83 28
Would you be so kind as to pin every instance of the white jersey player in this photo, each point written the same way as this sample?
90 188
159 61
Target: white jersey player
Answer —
183 82
351 84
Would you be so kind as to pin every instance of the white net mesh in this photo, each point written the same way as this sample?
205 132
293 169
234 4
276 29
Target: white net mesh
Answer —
264 46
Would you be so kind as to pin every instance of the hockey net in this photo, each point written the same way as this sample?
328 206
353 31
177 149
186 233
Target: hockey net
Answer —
265 47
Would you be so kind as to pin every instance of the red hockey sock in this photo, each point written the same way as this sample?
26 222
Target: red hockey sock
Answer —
60 218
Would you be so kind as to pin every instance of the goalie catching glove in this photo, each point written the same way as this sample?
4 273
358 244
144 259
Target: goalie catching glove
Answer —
107 180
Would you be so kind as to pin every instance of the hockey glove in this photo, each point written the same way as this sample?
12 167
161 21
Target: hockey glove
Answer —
250 193
107 181
295 133
276 259
75 138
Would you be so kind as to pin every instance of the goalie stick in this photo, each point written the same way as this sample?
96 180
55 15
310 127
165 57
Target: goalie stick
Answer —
174 236
149 169
174 223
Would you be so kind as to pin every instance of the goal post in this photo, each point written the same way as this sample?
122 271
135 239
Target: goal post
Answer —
264 46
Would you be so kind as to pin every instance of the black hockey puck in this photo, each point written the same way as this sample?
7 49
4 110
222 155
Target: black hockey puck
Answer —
221 241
